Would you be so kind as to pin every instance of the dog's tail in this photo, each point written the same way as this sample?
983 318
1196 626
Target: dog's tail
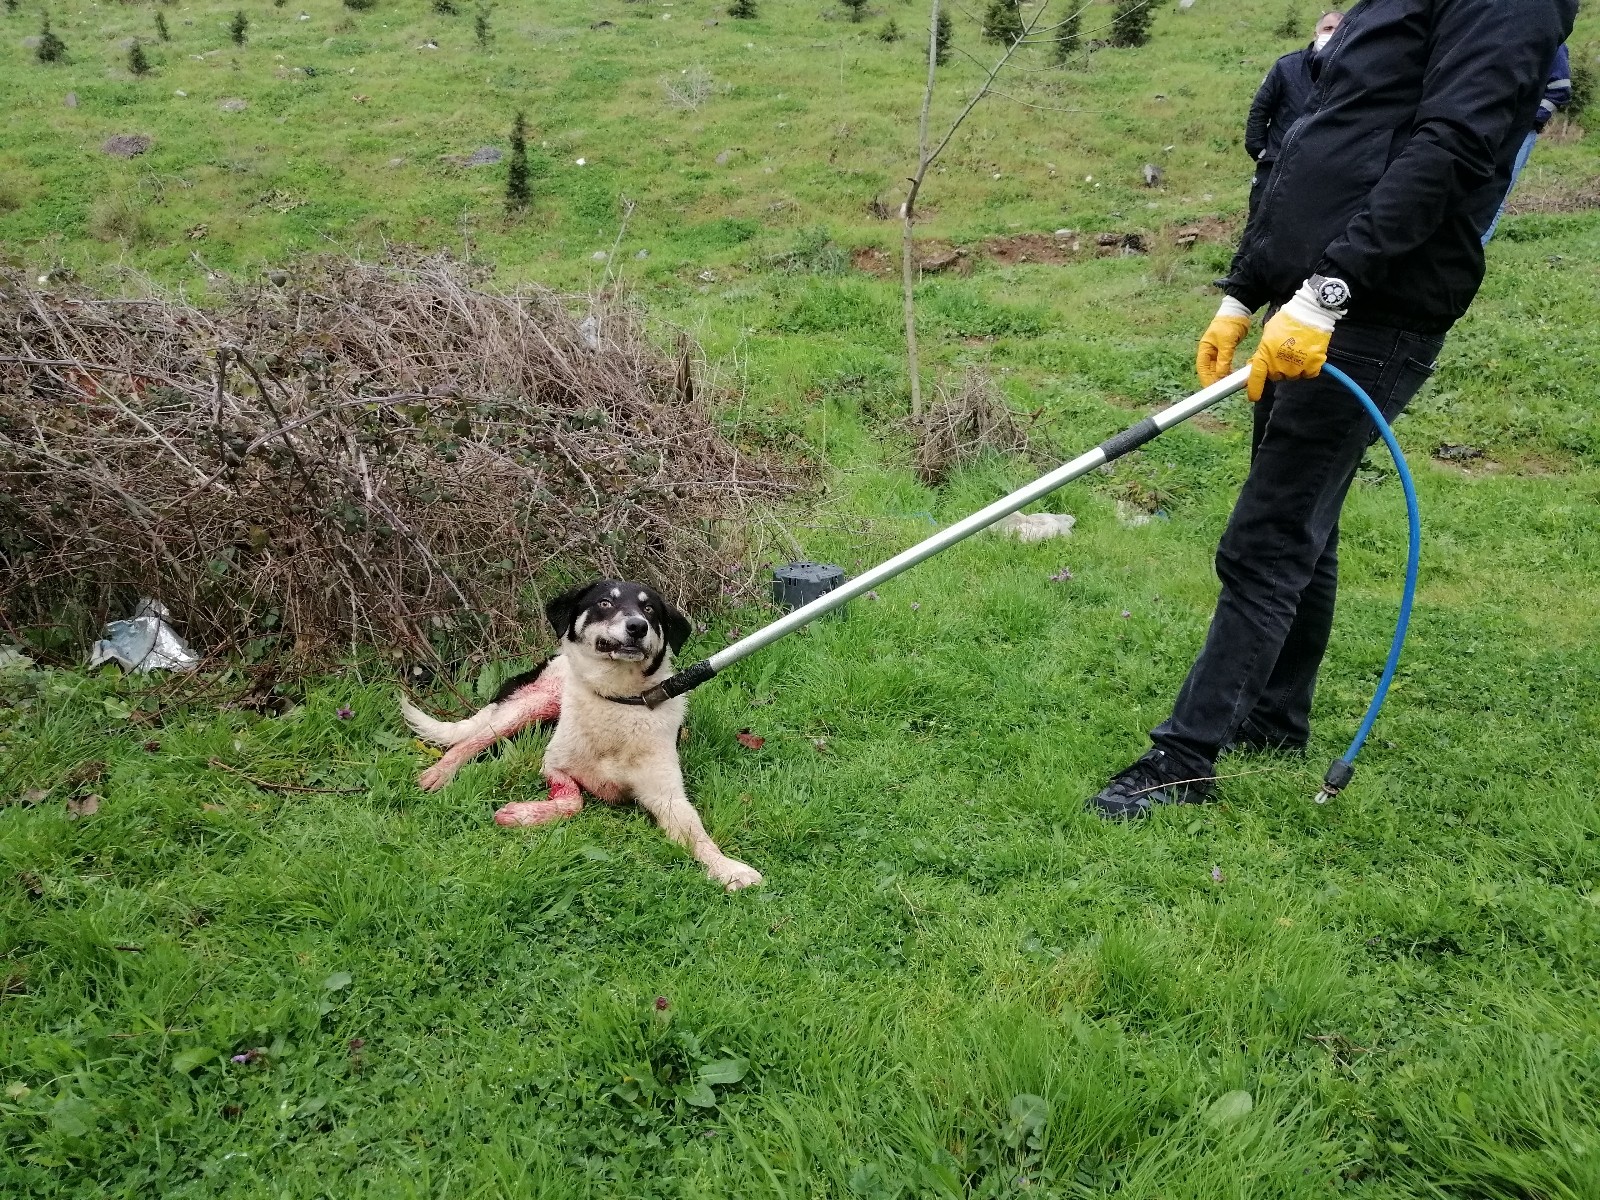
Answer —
446 733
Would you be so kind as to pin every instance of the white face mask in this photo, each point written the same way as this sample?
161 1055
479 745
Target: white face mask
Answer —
1321 40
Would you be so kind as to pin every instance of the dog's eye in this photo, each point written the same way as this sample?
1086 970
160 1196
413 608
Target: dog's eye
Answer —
649 609
604 604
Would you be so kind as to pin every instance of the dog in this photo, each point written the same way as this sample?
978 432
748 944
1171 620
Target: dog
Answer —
617 640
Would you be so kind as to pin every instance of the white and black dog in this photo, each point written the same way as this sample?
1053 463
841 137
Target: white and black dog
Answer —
617 640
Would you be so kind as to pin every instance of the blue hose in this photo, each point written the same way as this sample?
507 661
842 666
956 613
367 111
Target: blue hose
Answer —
1343 767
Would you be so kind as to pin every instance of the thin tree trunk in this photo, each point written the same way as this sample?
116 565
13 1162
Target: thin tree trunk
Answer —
925 159
908 217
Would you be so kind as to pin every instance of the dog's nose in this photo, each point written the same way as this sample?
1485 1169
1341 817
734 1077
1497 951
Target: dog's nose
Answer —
637 627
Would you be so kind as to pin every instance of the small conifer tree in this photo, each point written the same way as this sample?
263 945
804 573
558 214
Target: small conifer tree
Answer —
1002 22
445 8
745 10
239 28
890 32
1068 37
856 8
480 28
517 192
945 30
51 49
138 64
161 27
1130 22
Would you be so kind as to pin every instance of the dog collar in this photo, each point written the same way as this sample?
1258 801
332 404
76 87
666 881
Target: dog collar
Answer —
639 700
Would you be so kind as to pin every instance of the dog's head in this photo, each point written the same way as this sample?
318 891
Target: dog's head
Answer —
612 619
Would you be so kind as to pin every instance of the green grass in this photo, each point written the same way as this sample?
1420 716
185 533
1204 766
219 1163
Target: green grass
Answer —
954 981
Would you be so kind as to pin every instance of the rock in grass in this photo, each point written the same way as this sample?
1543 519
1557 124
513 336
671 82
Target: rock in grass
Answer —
127 145
72 100
482 157
233 104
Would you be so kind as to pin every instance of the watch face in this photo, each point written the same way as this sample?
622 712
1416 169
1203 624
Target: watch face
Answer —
1332 293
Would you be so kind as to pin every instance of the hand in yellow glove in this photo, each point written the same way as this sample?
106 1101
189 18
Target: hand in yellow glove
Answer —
1294 345
1214 358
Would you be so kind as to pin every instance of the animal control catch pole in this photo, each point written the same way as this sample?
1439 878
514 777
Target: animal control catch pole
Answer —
1107 451
1340 771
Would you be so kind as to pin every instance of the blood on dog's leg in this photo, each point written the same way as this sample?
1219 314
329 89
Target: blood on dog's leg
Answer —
511 716
542 697
664 799
566 800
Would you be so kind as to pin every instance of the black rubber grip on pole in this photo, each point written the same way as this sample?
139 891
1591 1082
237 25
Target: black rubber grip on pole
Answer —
684 681
1130 438
1339 775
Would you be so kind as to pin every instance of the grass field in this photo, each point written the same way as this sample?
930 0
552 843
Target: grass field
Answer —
954 981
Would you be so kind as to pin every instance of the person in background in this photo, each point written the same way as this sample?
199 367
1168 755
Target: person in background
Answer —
1279 102
1557 95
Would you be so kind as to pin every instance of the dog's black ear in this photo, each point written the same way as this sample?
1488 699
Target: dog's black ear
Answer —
564 609
678 627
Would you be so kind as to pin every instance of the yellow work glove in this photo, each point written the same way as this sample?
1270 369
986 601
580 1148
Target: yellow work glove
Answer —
1214 358
1294 345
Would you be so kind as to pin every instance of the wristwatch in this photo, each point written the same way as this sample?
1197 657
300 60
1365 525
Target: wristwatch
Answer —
1330 293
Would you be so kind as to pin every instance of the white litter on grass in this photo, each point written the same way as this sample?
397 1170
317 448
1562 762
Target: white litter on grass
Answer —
583 162
144 642
589 330
1037 527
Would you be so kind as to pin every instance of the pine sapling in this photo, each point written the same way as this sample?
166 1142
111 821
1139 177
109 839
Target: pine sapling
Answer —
1002 22
857 10
51 49
517 191
941 42
1068 37
445 8
890 32
161 26
480 28
744 10
239 28
138 64
1130 22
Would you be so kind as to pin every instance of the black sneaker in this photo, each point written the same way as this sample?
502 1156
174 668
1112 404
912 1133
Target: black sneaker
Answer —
1149 782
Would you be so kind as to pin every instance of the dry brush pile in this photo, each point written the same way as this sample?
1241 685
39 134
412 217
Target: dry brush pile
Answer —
384 454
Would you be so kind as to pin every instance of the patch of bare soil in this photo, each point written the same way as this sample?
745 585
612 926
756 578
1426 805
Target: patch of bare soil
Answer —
1051 249
1569 199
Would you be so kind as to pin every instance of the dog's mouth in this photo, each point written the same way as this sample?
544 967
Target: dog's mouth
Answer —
621 651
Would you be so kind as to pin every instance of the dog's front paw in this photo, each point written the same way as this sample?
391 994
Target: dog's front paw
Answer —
536 812
433 778
733 874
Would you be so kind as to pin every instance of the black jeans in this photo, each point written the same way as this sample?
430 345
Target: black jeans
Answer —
1279 558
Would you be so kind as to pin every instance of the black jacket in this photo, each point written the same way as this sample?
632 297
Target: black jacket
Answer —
1279 102
1403 157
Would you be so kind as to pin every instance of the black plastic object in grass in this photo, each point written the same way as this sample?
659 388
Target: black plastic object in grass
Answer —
800 583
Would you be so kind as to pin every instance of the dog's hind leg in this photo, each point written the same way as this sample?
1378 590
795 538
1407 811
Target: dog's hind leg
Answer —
566 800
512 715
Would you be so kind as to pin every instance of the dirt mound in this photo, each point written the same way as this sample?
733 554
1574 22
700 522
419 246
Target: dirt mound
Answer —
1056 249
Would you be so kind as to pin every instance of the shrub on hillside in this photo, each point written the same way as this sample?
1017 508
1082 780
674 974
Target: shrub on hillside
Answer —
518 193
1289 26
744 10
1130 22
943 32
856 8
361 5
1002 21
138 64
50 49
239 29
161 27
1068 40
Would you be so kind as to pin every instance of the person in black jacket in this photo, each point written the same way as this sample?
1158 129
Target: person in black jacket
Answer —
1368 246
1279 102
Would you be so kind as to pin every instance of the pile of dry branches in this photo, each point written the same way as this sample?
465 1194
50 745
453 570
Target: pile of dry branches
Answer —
965 421
381 454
